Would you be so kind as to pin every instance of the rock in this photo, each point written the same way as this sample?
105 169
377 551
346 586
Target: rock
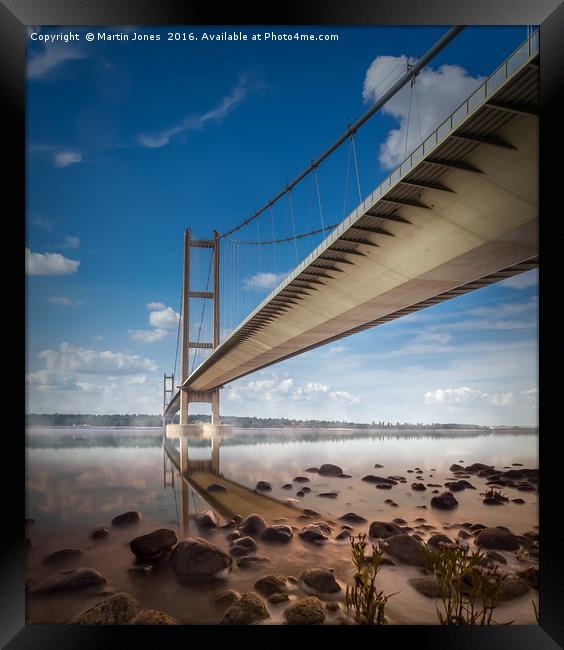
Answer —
383 486
301 479
458 486
353 518
406 549
305 490
152 545
126 518
226 598
153 617
300 493
478 467
100 532
61 555
310 513
476 527
378 466
497 539
434 542
243 546
140 571
530 576
277 534
69 580
313 533
233 536
456 468
321 580
491 501
194 558
249 561
119 609
426 586
419 487
263 486
308 611
332 606
314 470
512 587
330 470
463 534
399 479
492 556
216 487
287 486
206 519
383 529
343 535
379 480
445 501
518 501
329 495
277 598
249 609
252 525
271 584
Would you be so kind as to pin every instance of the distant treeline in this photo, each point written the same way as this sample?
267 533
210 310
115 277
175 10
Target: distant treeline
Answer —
148 420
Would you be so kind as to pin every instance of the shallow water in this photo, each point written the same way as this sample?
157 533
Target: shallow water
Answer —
71 490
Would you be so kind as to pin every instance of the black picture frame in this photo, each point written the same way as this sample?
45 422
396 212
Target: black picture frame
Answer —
15 15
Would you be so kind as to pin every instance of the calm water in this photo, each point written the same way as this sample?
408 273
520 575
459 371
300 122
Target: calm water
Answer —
74 485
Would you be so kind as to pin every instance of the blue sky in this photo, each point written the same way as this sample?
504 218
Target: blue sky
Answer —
130 142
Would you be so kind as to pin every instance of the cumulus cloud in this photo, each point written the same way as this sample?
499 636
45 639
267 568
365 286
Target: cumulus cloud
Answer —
436 94
195 122
466 396
165 318
148 336
66 158
155 305
264 280
53 56
69 242
49 264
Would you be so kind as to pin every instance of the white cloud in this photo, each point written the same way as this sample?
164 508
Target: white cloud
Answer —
437 93
264 280
467 396
49 264
72 359
66 158
346 396
155 305
148 336
165 318
195 122
70 242
45 224
522 281
60 300
53 56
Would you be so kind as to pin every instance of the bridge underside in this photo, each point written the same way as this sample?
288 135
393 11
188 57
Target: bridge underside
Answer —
463 216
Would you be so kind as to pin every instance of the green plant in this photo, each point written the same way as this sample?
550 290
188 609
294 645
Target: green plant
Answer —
363 597
470 589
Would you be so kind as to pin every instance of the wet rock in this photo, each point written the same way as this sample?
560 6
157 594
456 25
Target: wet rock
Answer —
383 529
492 556
69 580
422 507
475 468
458 486
383 486
233 536
497 539
301 479
330 470
271 584
308 512
462 534
328 495
399 479
277 598
379 480
308 611
313 470
118 609
406 549
152 545
353 518
426 586
153 617
249 609
243 546
194 558
292 579
216 487
252 525
419 487
512 587
287 486
399 521
127 518
313 533
321 580
378 466
332 606
279 533
139 571
305 490
61 555
343 535
206 519
476 527
226 598
263 486
300 493
491 501
445 501
530 576
434 542
456 468
250 561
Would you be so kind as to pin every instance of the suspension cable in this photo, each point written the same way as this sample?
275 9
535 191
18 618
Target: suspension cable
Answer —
285 239
201 318
319 199
356 168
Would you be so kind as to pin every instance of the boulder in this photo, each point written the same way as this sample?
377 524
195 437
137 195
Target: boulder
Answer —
301 479
243 546
271 584
69 580
61 555
321 580
252 525
383 529
518 501
299 493
456 468
249 609
249 561
263 486
126 518
444 501
153 617
370 478
310 513
226 598
492 556
512 587
119 609
329 470
458 486
530 576
497 539
206 519
275 599
434 542
426 586
343 535
478 467
418 487
406 549
313 533
353 518
328 495
279 533
150 546
308 611
216 487
194 558
100 532
287 486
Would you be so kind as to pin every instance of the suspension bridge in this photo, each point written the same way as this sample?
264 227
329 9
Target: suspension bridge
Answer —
459 213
